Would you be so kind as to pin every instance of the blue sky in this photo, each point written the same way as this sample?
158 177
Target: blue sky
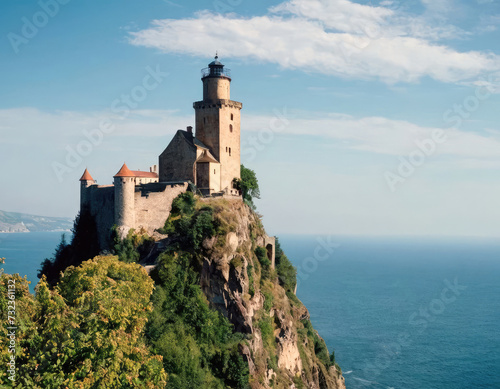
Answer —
363 117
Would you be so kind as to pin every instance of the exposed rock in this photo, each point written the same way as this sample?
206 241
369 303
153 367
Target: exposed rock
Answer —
225 280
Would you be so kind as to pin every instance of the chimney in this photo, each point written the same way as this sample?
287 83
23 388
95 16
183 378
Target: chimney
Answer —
190 130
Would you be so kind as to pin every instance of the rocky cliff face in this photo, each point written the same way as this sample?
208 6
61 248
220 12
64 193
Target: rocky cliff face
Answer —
282 349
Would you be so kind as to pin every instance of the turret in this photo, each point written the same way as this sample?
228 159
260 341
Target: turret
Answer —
85 183
124 199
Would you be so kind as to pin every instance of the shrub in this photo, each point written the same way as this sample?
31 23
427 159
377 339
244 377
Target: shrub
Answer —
287 273
268 301
261 254
236 262
251 286
248 185
133 247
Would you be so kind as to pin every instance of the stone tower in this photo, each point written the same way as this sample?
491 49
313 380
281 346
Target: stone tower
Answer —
85 183
124 199
217 119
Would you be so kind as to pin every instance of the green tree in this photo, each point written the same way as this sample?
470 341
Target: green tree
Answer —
84 245
287 273
248 185
87 331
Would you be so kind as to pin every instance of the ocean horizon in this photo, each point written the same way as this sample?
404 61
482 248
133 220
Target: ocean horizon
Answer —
399 312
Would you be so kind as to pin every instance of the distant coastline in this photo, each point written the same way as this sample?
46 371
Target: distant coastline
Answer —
15 222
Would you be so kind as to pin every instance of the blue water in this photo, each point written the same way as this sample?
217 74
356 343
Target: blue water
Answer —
379 303
365 298
24 252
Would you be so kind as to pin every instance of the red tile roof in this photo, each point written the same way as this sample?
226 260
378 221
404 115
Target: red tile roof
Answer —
139 173
86 176
124 172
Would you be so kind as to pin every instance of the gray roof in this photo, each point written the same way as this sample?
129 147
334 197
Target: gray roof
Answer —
191 139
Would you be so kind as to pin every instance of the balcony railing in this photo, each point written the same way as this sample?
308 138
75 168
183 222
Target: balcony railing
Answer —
216 72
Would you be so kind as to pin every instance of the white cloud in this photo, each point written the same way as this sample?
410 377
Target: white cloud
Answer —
383 136
335 37
34 128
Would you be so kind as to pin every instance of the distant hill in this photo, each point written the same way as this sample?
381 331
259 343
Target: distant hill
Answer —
21 222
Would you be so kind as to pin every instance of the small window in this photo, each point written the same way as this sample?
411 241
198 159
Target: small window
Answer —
232 117
230 151
231 127
226 149
214 171
205 120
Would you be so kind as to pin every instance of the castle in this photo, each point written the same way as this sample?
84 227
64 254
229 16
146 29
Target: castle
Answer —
208 160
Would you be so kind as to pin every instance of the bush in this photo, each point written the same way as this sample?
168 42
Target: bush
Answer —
248 185
251 286
320 348
287 273
261 254
133 247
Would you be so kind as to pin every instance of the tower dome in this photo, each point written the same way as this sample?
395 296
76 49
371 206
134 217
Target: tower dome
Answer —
216 69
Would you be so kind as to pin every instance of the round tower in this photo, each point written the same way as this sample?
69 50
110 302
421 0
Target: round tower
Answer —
85 197
124 200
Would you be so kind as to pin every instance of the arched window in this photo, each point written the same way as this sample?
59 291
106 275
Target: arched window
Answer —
231 127
232 117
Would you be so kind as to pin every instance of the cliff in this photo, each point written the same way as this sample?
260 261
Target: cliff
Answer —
222 313
239 278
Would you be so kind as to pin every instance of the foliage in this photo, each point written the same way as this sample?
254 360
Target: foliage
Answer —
87 332
251 281
268 300
198 346
320 348
261 254
265 325
248 185
287 273
133 247
236 262
84 245
191 225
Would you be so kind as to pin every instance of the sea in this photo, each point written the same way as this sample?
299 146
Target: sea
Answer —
399 313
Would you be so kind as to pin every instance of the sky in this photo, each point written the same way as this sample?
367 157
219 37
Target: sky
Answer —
359 117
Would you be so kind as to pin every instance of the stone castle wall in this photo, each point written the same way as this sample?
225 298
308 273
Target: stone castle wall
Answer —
102 208
151 205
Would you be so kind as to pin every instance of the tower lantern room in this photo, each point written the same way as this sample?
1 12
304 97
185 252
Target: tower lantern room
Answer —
216 81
